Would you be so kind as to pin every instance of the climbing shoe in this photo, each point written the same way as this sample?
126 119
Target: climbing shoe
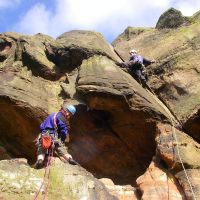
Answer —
39 164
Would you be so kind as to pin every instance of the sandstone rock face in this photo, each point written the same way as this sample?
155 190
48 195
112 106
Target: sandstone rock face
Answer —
7 47
125 192
128 115
29 90
19 181
177 150
181 155
25 101
190 184
119 126
172 18
174 147
192 125
157 183
175 76
71 48
89 41
104 138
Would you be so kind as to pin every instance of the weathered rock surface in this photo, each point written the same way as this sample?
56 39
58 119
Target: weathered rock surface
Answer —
127 115
71 48
172 18
157 183
125 192
175 147
90 41
24 101
67 182
191 185
114 97
175 76
119 126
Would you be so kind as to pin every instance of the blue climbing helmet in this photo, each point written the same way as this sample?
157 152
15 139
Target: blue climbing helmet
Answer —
70 108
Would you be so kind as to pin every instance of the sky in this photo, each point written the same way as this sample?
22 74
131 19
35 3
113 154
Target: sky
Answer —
109 17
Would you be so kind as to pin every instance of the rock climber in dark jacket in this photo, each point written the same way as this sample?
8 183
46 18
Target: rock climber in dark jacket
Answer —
55 125
136 65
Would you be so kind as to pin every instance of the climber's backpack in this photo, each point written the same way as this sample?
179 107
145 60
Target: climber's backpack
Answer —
46 140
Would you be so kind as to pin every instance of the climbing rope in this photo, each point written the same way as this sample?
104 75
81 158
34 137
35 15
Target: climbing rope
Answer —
38 191
46 175
178 152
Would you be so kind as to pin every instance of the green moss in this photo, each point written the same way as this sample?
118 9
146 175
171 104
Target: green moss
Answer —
57 189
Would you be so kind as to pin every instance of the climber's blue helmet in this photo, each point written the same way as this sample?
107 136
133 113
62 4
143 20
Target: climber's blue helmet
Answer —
71 109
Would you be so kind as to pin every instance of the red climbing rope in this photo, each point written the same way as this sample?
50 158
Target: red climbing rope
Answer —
46 175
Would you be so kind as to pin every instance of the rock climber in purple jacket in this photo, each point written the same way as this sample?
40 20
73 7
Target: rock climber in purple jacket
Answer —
55 125
135 66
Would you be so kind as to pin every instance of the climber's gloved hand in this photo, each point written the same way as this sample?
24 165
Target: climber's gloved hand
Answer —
67 157
72 161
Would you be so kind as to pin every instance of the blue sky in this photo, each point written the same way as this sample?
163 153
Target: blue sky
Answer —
109 17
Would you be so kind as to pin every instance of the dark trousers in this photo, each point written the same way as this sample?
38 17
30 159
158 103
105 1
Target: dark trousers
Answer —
138 75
